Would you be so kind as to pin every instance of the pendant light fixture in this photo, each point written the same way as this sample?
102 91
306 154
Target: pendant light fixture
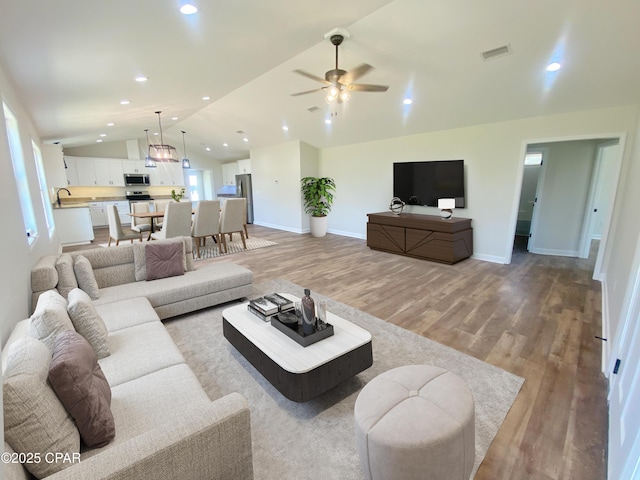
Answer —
162 152
148 161
185 161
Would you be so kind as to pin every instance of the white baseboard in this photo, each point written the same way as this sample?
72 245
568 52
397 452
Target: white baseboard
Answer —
347 234
489 258
280 227
557 253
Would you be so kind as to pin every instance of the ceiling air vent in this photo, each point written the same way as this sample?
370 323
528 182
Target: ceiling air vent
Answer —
496 52
313 109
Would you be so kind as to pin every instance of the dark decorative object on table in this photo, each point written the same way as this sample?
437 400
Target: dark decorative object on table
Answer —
308 313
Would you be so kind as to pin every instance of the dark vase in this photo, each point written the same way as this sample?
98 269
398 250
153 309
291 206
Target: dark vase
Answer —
308 313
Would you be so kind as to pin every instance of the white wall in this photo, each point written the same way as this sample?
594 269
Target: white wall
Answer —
563 197
493 156
276 173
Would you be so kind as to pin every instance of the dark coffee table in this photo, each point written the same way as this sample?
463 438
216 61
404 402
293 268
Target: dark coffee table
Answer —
299 373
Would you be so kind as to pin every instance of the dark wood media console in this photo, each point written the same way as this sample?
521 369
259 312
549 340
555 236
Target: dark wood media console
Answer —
421 236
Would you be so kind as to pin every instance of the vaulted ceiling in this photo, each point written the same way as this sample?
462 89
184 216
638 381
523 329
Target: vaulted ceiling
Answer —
73 61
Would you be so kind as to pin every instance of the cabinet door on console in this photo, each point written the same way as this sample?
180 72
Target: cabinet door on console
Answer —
385 237
441 247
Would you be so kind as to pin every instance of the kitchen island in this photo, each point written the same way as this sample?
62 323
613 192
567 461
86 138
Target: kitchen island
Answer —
73 224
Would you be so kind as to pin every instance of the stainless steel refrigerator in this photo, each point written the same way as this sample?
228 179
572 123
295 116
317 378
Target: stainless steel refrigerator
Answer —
244 190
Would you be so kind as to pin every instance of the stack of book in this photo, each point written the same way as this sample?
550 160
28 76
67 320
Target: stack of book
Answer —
269 305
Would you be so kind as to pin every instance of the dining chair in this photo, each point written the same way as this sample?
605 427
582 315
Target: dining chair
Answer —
115 228
177 221
206 222
246 233
159 206
232 220
140 224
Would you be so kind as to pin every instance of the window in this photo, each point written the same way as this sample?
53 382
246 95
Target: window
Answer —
44 191
19 171
534 158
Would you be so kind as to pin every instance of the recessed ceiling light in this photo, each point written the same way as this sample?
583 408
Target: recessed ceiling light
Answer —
156 133
99 140
188 9
327 121
208 149
285 128
245 139
110 124
225 144
103 134
407 101
141 78
553 67
206 98
124 102
174 118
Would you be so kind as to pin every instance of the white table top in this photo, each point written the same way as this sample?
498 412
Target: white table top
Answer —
285 351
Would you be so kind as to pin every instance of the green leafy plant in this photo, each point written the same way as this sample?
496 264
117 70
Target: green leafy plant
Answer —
317 195
177 196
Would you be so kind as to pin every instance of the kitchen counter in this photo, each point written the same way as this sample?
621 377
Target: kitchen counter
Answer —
73 224
70 205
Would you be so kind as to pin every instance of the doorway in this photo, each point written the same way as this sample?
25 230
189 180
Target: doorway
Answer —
575 185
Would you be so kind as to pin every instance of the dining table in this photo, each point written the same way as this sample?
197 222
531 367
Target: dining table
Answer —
151 215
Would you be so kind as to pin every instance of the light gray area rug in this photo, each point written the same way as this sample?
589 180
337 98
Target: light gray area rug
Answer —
212 250
316 439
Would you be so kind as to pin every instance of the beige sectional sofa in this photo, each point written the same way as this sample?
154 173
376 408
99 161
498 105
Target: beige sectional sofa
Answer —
166 427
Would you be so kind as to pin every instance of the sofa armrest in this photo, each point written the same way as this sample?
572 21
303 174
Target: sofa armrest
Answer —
207 441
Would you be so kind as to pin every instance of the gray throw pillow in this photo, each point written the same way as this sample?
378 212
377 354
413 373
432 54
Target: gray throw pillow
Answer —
35 421
82 388
88 322
140 260
49 318
66 276
85 276
164 260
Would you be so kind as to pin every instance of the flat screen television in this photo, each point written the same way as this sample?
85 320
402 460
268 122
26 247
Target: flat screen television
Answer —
423 183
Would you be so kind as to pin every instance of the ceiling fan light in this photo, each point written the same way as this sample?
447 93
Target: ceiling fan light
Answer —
333 91
344 96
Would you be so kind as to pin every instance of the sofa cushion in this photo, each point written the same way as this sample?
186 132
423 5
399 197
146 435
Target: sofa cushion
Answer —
204 280
82 388
44 275
138 351
145 403
66 276
49 318
88 322
140 256
127 313
34 419
85 276
164 260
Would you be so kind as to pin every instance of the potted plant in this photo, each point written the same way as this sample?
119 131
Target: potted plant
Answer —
177 196
317 195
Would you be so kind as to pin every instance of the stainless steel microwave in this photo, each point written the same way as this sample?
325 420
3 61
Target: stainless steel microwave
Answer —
136 179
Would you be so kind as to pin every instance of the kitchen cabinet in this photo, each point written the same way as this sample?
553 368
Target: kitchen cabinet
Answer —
108 173
229 172
53 162
244 166
99 216
71 171
167 174
73 225
134 166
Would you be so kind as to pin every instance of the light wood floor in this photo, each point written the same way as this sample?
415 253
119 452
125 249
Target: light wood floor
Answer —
536 318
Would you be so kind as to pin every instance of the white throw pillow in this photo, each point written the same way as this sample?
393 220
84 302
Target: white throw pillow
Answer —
88 322
35 421
49 318
85 276
66 276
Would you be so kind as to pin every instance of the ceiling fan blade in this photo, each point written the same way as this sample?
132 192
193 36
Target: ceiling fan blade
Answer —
361 87
308 91
311 76
353 75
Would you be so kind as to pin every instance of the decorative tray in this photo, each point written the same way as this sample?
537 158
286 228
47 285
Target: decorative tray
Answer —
296 333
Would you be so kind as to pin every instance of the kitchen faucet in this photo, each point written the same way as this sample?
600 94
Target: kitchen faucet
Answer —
58 194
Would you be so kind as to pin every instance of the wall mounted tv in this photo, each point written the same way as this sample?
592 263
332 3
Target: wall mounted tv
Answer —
423 183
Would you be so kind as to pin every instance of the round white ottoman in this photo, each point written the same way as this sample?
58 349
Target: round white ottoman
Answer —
416 421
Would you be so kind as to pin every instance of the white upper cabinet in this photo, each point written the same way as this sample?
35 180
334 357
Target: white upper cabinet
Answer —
229 172
167 173
71 171
108 172
91 172
86 171
244 166
134 166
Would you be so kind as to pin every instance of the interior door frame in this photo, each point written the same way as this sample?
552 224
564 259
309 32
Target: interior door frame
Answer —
515 205
539 189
